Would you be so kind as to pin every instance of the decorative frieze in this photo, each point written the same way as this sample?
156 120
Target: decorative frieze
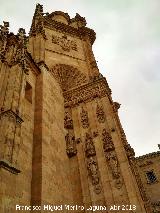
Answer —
100 114
70 145
129 151
87 92
146 163
64 43
84 118
81 32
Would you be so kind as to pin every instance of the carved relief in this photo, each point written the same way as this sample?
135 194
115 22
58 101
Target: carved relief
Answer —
107 141
113 163
64 43
88 92
116 106
93 170
93 173
68 77
100 114
11 137
84 118
146 163
3 36
89 146
129 151
68 122
111 158
38 22
70 145
20 54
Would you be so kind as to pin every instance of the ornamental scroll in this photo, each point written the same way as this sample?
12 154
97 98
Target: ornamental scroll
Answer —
64 43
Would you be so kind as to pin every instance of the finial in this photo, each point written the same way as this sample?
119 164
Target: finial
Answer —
80 19
39 10
21 33
4 29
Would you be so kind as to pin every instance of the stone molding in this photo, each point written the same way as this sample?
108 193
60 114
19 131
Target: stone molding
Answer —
149 155
88 92
9 167
11 114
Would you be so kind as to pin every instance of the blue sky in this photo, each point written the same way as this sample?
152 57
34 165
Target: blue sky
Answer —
127 49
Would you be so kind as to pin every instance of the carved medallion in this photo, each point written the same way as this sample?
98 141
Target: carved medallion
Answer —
84 119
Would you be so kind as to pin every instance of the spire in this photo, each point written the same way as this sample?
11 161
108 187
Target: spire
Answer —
37 26
3 37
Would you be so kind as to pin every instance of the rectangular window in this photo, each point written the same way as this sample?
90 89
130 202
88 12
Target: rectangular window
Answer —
28 92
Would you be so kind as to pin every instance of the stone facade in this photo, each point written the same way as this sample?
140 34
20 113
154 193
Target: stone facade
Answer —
149 169
61 140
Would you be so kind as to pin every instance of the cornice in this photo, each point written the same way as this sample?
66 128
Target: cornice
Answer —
61 27
85 93
148 156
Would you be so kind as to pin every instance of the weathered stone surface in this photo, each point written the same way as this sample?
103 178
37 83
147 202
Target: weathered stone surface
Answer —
61 141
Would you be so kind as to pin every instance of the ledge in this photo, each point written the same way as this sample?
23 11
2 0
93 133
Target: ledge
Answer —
9 167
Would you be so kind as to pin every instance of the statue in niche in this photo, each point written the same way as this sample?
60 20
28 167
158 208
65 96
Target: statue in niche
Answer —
68 122
84 119
89 146
100 114
93 170
70 145
113 164
107 141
